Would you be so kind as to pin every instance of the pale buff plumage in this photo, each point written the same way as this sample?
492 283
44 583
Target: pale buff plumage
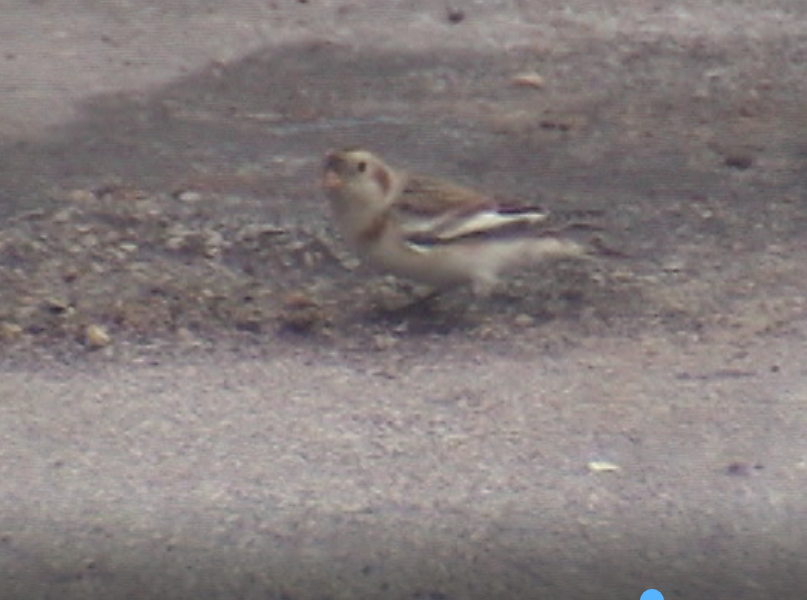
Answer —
433 231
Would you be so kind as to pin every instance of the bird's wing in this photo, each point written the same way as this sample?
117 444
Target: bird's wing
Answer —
432 212
438 211
488 224
427 196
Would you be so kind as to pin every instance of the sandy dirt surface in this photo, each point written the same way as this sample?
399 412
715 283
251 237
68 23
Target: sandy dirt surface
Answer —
202 394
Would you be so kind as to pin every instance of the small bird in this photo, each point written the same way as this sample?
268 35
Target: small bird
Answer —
433 231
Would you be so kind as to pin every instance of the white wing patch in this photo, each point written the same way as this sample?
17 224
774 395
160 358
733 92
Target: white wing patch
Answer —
455 226
484 222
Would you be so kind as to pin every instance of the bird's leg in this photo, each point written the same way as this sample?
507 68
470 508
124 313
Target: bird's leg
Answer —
402 298
427 301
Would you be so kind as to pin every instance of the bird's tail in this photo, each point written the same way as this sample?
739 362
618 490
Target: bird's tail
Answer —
579 238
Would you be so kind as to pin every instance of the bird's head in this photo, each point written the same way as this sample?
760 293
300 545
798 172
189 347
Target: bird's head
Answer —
357 175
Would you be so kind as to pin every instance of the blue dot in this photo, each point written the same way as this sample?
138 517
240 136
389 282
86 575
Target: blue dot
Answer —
652 595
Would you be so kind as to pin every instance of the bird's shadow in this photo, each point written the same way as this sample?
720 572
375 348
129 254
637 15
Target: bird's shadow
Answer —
456 311
426 314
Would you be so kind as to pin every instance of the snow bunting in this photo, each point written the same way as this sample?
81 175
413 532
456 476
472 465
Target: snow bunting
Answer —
432 231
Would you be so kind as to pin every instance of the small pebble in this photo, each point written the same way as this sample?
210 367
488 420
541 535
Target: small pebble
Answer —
742 469
213 244
530 80
740 161
524 320
96 337
384 342
81 196
455 15
189 196
601 466
10 331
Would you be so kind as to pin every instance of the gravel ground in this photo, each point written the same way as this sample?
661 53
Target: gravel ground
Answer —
204 395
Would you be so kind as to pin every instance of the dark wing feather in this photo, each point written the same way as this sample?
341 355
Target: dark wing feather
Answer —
428 196
500 225
443 212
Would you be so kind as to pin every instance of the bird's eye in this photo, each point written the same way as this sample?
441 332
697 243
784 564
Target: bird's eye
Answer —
362 167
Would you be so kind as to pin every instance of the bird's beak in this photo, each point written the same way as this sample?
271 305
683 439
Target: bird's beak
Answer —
331 181
333 163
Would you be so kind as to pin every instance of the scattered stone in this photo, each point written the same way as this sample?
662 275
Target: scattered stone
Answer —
455 15
57 306
384 341
301 313
529 79
188 196
96 337
602 466
213 243
739 160
557 124
89 240
120 193
10 331
674 264
63 216
524 320
80 196
743 469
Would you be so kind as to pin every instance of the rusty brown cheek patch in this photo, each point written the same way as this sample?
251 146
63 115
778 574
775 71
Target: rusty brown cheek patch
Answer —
383 179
